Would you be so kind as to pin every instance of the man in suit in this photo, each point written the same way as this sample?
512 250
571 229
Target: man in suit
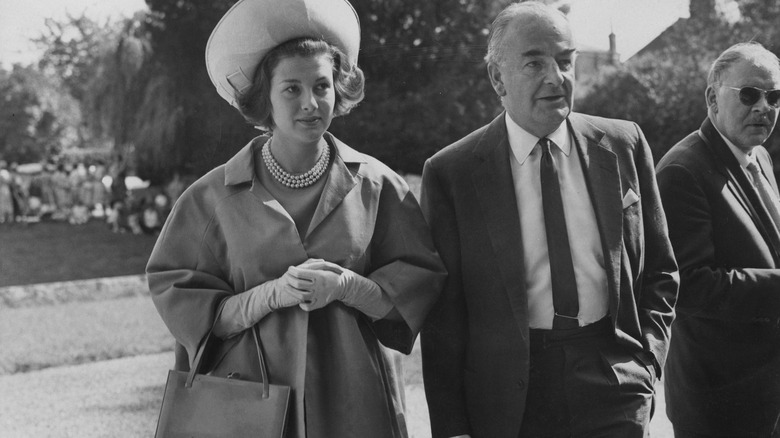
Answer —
554 320
720 195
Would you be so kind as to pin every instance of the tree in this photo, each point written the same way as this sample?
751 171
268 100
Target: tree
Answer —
426 81
181 123
72 46
37 118
78 53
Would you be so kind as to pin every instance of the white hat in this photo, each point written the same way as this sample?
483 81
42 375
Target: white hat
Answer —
253 27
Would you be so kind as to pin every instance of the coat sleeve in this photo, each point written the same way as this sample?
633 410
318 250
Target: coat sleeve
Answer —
185 280
660 279
709 287
404 263
444 335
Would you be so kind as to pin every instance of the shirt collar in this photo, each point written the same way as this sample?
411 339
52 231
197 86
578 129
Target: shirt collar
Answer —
523 142
742 157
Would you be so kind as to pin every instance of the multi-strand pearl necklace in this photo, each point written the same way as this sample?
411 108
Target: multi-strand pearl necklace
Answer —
295 181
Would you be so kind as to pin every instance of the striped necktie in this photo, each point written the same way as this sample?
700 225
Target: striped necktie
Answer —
765 192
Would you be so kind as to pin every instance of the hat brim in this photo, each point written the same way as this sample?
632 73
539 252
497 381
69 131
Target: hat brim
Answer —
251 28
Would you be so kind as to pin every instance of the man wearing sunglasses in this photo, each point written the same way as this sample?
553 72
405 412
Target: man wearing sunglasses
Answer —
722 376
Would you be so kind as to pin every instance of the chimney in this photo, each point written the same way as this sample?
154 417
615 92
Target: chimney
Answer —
613 54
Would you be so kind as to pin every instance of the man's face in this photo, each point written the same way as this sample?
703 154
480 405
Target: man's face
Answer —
745 126
535 78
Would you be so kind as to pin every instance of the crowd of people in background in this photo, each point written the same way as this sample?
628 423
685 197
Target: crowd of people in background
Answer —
80 192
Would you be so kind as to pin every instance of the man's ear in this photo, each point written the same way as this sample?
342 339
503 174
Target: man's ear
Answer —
711 97
494 73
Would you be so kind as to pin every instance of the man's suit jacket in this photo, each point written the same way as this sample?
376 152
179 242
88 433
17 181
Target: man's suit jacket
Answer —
475 342
723 372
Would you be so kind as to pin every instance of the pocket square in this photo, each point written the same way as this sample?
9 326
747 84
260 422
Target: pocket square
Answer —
630 198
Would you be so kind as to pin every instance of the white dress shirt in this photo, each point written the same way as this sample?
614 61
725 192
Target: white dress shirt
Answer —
584 237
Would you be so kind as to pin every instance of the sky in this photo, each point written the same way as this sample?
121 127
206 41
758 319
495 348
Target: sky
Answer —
635 22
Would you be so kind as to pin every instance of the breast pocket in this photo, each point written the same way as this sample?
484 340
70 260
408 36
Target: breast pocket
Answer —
633 229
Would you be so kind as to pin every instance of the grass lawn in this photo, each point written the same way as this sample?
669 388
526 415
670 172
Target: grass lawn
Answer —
57 251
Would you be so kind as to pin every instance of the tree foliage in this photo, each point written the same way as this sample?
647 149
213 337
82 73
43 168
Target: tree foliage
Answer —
72 46
36 118
80 53
426 81
181 123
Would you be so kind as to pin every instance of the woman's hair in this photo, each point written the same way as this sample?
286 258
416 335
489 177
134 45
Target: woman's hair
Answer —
348 81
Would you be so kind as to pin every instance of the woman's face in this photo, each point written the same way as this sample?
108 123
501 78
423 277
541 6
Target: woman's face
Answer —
302 98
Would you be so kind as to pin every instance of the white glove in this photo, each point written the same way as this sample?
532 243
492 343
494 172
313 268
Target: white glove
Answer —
286 291
244 310
330 282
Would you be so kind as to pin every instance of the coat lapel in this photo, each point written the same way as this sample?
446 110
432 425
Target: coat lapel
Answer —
740 186
494 187
340 181
241 170
602 176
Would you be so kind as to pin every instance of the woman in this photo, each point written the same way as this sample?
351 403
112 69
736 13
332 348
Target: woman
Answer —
322 248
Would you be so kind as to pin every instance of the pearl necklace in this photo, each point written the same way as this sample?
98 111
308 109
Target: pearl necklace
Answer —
299 180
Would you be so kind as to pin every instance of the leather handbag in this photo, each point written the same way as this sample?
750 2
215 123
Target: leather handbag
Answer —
198 405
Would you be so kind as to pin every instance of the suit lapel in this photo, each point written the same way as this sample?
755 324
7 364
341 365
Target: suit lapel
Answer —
602 176
494 187
739 185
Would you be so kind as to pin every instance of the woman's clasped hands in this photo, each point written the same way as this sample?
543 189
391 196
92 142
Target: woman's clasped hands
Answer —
314 284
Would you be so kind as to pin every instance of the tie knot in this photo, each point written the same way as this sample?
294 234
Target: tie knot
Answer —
546 145
755 171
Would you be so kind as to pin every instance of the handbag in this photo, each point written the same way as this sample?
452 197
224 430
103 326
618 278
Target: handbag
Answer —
198 405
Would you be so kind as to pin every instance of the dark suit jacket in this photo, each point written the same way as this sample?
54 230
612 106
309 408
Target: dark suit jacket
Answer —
723 372
475 341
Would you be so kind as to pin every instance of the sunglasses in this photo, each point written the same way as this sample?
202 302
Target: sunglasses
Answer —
750 95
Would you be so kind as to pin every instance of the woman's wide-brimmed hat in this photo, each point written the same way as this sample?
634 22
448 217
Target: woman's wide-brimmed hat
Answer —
253 27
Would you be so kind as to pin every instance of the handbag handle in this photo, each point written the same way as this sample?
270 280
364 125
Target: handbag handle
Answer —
260 357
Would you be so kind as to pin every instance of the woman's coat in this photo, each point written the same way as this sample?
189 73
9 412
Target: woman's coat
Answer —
227 234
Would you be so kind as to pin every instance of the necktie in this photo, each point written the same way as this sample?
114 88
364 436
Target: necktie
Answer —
564 286
765 192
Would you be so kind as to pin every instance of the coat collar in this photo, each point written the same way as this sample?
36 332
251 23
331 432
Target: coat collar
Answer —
728 164
343 176
742 189
715 141
241 168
